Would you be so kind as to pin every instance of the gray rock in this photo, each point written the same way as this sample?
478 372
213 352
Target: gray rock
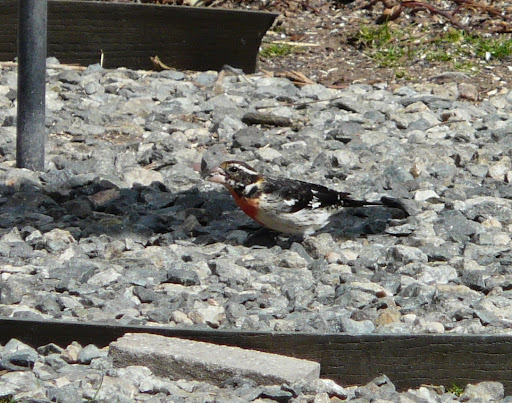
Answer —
323 386
248 137
350 326
12 291
275 393
275 87
205 78
182 276
18 356
173 75
89 353
268 154
439 274
407 254
19 383
7 391
349 104
69 77
415 295
49 349
57 240
484 391
229 272
67 393
49 305
379 388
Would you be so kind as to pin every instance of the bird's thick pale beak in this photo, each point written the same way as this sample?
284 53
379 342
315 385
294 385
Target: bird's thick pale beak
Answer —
216 175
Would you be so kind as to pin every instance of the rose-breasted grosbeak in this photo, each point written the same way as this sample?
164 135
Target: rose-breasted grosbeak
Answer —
285 205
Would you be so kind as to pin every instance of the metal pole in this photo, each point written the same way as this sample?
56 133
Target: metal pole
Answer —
31 136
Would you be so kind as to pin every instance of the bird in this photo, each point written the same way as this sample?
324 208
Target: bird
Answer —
285 205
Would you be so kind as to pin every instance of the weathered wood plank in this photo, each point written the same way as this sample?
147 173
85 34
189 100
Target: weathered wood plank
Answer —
128 34
408 360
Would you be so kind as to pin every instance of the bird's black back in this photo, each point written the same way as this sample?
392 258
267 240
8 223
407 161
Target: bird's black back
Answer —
303 195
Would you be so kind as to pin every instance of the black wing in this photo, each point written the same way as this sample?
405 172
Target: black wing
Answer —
298 195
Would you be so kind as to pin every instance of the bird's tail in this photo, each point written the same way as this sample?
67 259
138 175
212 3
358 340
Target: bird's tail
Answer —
384 201
348 202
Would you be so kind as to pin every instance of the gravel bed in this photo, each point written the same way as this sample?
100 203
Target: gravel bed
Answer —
120 228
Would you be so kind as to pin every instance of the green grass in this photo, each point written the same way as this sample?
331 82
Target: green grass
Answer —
454 36
456 390
393 46
465 66
373 37
438 56
499 48
279 29
400 73
277 50
384 44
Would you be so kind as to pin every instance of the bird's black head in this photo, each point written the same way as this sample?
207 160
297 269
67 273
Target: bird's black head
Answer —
235 174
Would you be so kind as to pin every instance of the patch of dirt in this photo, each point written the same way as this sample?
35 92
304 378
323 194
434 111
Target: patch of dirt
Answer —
335 59
326 49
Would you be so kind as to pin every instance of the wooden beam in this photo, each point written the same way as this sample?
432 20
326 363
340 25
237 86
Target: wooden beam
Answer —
128 34
409 360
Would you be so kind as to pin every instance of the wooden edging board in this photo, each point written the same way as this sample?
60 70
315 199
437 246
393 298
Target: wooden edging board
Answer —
409 360
128 34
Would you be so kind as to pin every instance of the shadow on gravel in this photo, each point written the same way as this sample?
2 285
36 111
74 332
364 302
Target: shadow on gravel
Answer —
151 215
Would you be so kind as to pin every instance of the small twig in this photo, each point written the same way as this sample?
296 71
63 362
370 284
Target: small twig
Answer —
255 118
296 77
158 65
446 14
491 10
291 43
239 73
448 122
99 386
306 6
49 66
299 104
367 6
392 9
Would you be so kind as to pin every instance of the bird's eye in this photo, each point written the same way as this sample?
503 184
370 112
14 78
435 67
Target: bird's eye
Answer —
233 169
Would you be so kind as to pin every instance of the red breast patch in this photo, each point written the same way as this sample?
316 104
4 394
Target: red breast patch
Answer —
248 206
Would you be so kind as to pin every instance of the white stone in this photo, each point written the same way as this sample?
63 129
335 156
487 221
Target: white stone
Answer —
268 154
423 195
498 170
142 176
106 277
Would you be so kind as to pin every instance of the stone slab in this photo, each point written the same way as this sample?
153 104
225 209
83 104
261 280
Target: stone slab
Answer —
176 358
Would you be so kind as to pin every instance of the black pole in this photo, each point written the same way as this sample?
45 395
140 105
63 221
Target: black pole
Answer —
31 135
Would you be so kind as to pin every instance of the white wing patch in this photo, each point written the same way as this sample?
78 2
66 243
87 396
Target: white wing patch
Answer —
314 204
290 202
